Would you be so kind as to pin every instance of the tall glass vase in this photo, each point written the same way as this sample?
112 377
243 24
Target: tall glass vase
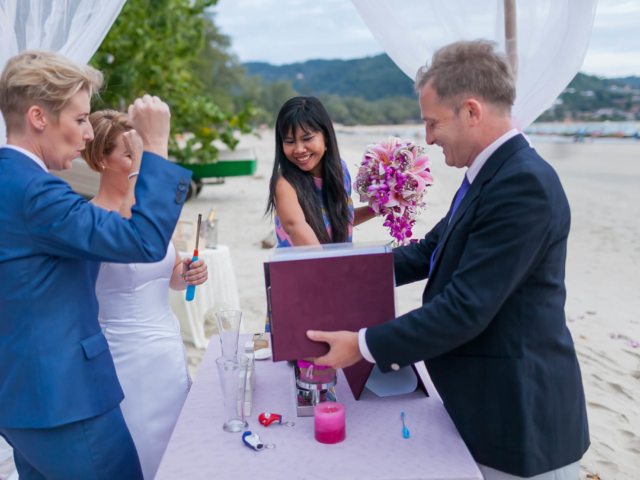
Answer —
229 330
232 371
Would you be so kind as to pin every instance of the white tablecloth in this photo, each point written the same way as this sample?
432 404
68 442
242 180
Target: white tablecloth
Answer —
220 292
374 448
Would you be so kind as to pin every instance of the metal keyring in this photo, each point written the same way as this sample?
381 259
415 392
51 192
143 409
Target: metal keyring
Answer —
289 424
270 446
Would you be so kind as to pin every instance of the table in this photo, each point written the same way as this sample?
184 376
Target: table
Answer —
374 447
220 292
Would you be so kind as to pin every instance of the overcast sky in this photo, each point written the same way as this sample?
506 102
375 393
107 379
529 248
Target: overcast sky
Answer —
288 31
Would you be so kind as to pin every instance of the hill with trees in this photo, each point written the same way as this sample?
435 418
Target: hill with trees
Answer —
370 78
374 90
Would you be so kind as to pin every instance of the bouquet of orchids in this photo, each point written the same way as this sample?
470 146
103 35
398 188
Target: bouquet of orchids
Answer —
393 178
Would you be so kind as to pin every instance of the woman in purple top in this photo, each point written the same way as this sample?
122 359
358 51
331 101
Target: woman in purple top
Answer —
310 188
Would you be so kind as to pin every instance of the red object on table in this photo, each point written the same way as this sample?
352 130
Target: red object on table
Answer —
267 419
329 422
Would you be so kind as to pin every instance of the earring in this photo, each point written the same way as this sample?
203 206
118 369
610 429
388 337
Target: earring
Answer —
103 167
42 127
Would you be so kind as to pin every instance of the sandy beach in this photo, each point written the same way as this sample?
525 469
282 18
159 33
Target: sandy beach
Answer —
602 182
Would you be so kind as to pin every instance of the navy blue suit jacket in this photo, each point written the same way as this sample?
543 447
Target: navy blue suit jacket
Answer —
492 326
55 365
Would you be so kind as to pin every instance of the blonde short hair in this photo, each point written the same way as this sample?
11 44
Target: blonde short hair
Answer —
41 78
107 126
470 68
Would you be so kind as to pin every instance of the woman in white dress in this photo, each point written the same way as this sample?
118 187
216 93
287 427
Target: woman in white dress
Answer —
142 331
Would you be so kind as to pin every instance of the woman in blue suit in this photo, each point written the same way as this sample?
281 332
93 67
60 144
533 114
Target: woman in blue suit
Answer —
59 393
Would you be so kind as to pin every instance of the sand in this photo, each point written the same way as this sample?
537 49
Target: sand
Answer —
602 182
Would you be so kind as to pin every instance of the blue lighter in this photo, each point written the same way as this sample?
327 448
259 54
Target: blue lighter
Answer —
191 289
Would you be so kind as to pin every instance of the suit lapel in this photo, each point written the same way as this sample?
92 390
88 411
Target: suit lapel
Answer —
487 172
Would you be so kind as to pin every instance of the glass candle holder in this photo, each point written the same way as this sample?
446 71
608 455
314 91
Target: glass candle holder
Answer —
312 373
229 330
329 423
211 233
232 371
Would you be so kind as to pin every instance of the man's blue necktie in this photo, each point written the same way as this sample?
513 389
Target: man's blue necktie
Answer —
461 191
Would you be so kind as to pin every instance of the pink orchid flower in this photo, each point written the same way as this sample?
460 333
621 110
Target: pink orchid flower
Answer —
392 178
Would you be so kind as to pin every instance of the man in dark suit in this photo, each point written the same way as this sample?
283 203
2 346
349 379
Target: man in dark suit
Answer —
492 326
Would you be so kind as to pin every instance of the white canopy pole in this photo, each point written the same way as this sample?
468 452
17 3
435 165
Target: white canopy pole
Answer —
511 35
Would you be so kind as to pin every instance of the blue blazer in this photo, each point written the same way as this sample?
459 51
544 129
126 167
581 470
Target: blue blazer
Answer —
492 327
55 364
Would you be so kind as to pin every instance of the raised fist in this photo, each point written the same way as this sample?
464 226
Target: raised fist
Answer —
151 118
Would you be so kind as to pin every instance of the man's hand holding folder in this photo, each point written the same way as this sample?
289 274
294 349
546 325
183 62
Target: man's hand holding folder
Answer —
344 350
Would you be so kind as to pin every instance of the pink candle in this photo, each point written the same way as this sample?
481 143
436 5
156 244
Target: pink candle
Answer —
329 422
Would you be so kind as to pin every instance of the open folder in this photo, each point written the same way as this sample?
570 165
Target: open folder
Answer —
331 287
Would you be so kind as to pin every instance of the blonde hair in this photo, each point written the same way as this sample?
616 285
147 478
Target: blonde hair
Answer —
107 126
470 68
41 78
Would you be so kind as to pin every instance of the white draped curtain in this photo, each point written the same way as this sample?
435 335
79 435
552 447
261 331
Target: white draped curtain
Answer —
73 28
552 39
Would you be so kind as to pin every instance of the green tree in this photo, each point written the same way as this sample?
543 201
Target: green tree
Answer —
219 70
155 47
267 97
337 109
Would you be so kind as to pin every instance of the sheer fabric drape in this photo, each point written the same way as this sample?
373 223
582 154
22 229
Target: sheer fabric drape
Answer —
552 38
73 28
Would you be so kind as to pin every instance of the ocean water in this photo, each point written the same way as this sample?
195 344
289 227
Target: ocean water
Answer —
598 132
606 129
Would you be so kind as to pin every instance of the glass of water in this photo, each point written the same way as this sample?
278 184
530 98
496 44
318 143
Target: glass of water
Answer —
211 233
232 371
229 330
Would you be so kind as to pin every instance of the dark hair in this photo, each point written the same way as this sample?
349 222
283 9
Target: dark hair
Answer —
309 114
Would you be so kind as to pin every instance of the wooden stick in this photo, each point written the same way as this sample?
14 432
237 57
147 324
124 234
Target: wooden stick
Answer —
198 232
511 35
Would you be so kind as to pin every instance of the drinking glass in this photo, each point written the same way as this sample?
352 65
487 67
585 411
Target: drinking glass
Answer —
232 371
229 329
211 233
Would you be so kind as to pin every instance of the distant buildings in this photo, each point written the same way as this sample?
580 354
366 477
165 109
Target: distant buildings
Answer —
594 99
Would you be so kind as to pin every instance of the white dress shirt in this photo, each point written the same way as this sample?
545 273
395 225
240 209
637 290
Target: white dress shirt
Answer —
29 154
472 173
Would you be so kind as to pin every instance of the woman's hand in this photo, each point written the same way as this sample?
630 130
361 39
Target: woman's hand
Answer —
151 117
198 273
135 146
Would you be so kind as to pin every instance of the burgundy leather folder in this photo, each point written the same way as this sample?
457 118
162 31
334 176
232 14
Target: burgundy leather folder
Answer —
328 294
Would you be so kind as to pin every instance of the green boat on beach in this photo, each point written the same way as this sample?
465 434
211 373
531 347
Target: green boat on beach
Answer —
231 163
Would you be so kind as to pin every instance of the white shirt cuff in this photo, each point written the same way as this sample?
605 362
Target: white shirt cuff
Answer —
362 345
